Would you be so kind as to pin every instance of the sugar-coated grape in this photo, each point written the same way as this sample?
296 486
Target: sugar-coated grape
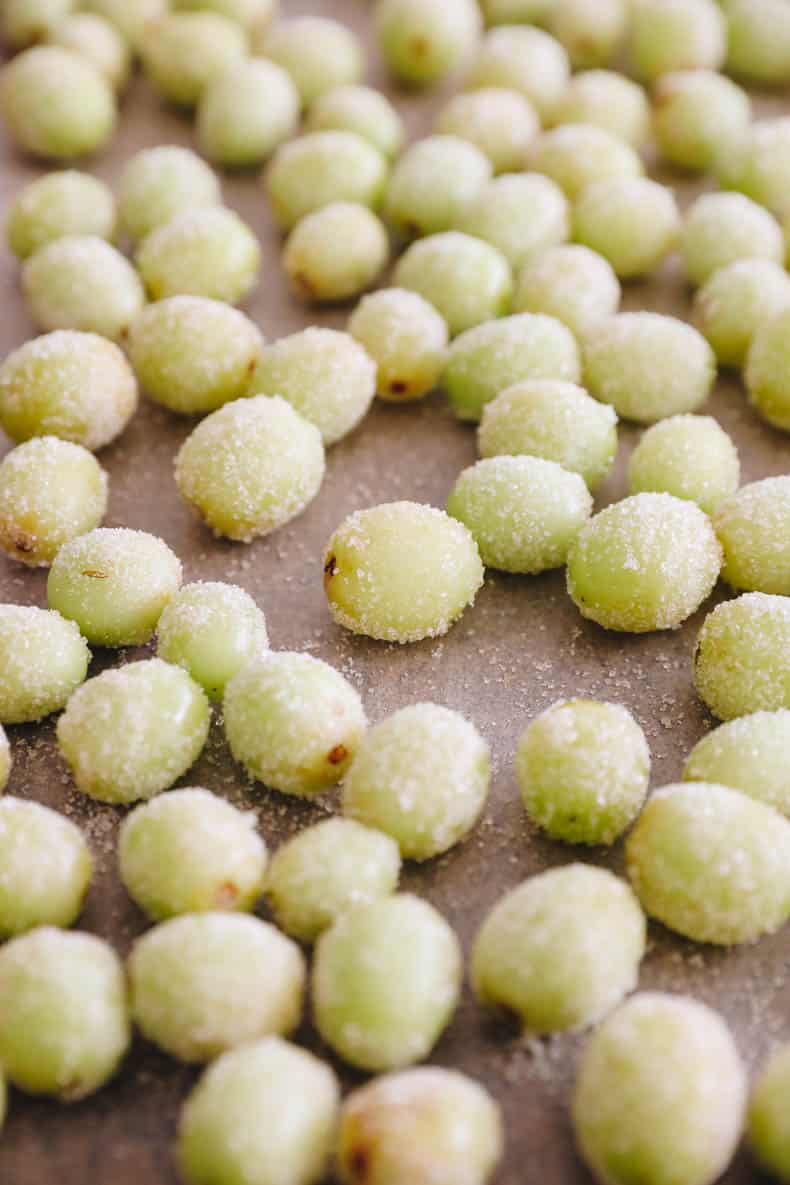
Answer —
318 53
422 41
154 723
720 228
466 279
668 35
99 42
766 371
632 222
433 185
736 301
758 41
688 456
25 22
184 52
609 101
130 17
158 183
46 864
58 204
82 282
359 109
769 1136
519 214
592 31
576 154
323 167
749 754
500 122
43 658
522 59
741 658
246 113
753 526
699 117
761 168
6 759
205 252
335 253
514 12
253 15
570 282
406 338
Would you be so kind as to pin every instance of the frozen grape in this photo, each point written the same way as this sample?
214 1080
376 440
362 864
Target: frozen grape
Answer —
43 658
688 456
561 949
520 214
401 572
131 17
158 183
246 113
422 41
669 35
6 759
253 15
571 283
359 109
591 31
81 282
468 281
741 657
58 204
767 1127
205 252
609 101
736 301
318 53
184 52
335 253
749 754
753 526
761 168
514 12
575 154
500 122
766 369
406 338
522 59
25 22
631 221
433 185
46 867
720 228
758 42
323 167
420 776
99 42
699 118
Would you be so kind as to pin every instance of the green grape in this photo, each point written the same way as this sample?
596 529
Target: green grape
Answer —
55 104
184 52
201 252
6 762
699 118
99 42
323 167
468 281
519 214
421 776
749 754
43 658
631 221
669 35
720 228
434 184
64 1024
335 253
591 31
58 204
212 630
766 371
660 1094
571 283
491 357
50 492
253 15
761 167
47 867
561 949
401 572
81 282
500 122
422 41
427 1126
740 660
736 301
154 724
250 467
769 1136
204 983
130 17
576 154
758 42
359 109
609 101
265 1114
522 59
646 563
246 113
753 526
25 22
406 338
325 375
386 982
649 366
324 870
318 53
189 852
293 721
689 456
583 768
514 12
73 385
158 183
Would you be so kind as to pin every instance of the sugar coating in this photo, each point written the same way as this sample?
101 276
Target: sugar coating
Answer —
184 52
322 167
632 222
660 1094
752 526
64 1023
246 113
519 214
324 374
561 949
293 721
189 851
114 583
741 658
158 183
25 22
335 253
317 53
689 456
609 101
427 1126
265 1113
758 43
768 1130
6 759
58 204
253 15
405 337
524 59
422 41
499 121
386 982
132 732
204 983
766 369
591 31
200 252
576 154
646 563
569 282
699 118
676 35
401 572
99 42
46 867
736 301
326 869
434 183
422 777
761 169
360 109
467 280
749 754
250 467
131 17
721 227
583 769
43 658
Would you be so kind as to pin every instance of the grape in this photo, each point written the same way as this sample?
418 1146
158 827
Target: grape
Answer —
55 104
188 852
646 563
212 630
184 52
25 22
433 185
250 467
748 754
320 168
325 375
561 949
630 363
253 15
386 982
421 776
407 340
427 1126
6 762
753 527
736 301
761 168
668 35
50 492
758 43
58 204
318 54
766 370
401 572
204 252
609 101
522 59
158 183
591 31
489 358
207 982
520 214
699 118
99 42
500 122
81 282
265 1114
43 658
554 420
64 1025
660 1094
130 17
422 41
335 253
246 113
741 658
359 109
720 228
688 456
571 283
46 867
324 870
575 154
767 1119
631 221
73 385
468 281
583 769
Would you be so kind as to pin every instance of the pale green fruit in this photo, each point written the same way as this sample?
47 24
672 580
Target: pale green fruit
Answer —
570 282
99 42
467 280
130 17
433 185
82 282
58 204
592 31
575 154
753 526
514 12
749 754
720 228
609 101
668 35
323 167
758 41
406 338
25 22
738 300
631 221
699 118
520 214
201 252
766 371
253 15
318 53
523 59
688 456
46 865
6 759
499 121
769 1133
246 113
761 167
158 183
359 109
422 41
43 659
741 657
184 52
335 253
